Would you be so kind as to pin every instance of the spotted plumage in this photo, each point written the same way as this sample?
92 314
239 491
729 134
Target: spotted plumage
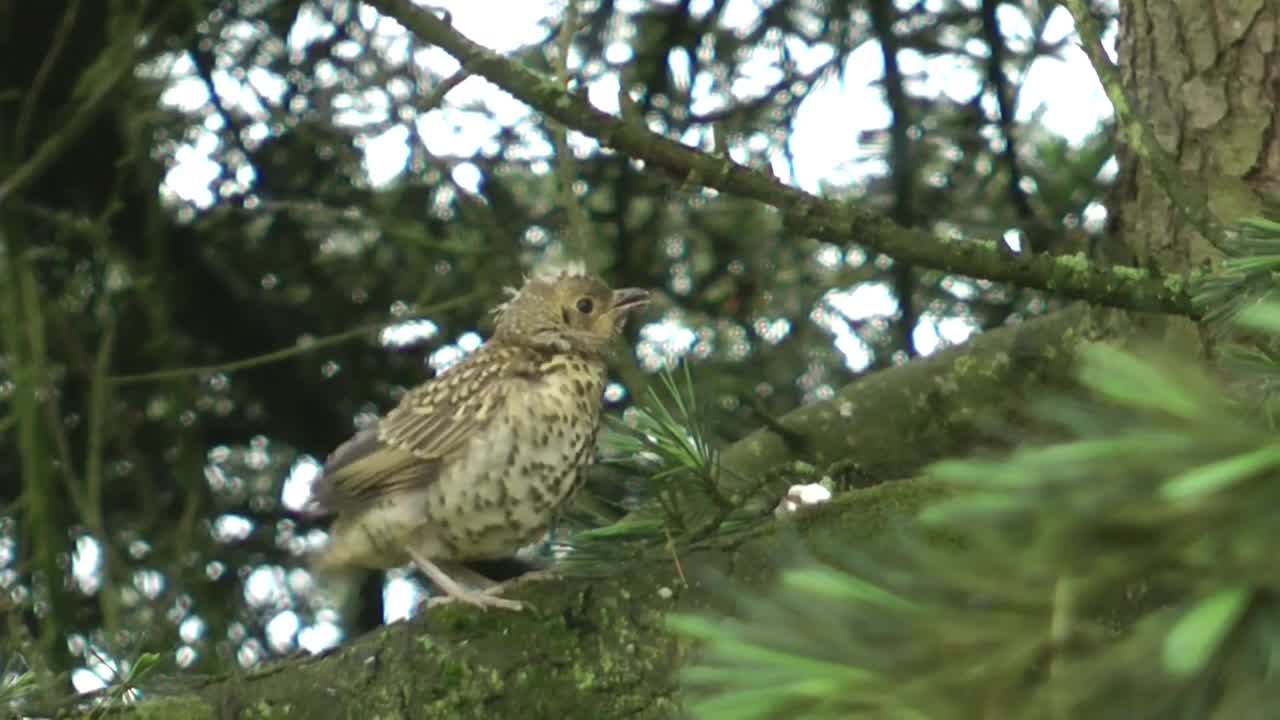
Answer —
477 462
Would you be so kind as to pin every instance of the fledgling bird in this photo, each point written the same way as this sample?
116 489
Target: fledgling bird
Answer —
477 462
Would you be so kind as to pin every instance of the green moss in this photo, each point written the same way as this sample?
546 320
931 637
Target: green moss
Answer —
1076 263
264 710
180 708
1124 272
452 672
1233 198
1000 362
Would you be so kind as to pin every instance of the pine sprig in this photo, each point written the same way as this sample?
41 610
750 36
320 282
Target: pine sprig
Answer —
676 494
1125 571
1247 275
1246 279
671 435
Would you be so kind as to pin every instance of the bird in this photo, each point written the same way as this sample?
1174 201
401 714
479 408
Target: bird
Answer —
477 462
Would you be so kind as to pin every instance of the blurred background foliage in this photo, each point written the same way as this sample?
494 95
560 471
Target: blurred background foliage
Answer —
192 184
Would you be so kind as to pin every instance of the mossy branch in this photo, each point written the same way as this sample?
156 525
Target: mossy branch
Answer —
803 213
595 648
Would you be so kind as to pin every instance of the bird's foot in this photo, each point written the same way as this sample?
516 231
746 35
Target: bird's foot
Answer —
451 591
482 599
490 596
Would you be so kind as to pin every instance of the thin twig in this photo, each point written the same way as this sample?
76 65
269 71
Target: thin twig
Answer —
60 220
51 408
203 60
32 97
26 356
277 355
671 548
92 514
70 478
566 169
51 149
430 102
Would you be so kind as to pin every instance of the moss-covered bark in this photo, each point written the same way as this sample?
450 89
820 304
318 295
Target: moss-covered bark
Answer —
893 422
598 648
590 648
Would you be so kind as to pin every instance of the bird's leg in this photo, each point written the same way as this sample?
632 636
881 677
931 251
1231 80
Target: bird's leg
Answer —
455 592
477 581
486 585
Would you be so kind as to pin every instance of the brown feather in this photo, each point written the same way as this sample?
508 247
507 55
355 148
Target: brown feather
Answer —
410 444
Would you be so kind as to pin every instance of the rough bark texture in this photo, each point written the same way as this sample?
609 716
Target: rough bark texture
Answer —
1206 77
600 645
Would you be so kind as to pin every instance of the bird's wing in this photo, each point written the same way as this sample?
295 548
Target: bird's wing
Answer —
408 446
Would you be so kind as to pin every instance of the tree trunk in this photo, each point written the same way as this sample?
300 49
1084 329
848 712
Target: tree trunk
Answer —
1205 77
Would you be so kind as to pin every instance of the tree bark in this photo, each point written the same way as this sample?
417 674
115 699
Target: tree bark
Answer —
1205 78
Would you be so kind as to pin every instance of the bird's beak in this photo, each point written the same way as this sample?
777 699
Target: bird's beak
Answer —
627 299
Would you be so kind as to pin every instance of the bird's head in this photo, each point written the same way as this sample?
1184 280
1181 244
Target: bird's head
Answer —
566 309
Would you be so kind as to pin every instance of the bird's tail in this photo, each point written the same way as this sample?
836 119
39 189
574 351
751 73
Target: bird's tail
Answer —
337 581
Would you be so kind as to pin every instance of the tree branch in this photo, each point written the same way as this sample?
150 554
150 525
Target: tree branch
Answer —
300 348
115 65
31 100
805 214
894 422
595 648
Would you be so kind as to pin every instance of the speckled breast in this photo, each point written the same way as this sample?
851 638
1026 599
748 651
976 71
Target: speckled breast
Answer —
510 483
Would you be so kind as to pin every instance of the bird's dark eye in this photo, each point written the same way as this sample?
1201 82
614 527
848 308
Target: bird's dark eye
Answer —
585 306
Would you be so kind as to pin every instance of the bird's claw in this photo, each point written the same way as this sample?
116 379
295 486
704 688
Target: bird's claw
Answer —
483 599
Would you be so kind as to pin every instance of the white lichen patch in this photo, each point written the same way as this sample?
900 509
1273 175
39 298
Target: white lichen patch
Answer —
802 497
